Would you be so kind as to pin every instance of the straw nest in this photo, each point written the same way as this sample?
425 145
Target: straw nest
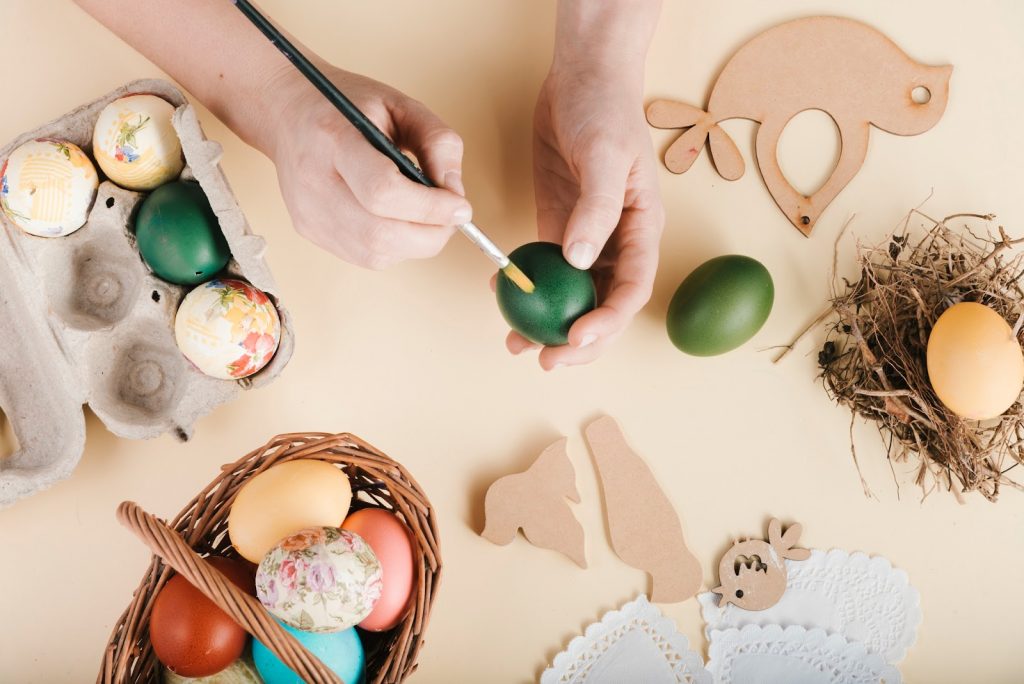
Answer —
873 359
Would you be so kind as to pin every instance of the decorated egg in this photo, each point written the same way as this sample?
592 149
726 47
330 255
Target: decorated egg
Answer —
190 635
562 294
392 543
179 236
321 579
284 499
47 187
720 305
135 143
239 672
342 653
228 329
975 363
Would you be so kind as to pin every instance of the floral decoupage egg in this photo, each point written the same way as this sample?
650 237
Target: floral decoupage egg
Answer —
135 143
227 328
47 187
321 579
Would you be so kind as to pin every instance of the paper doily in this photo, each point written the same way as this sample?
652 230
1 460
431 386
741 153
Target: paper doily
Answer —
864 599
794 655
633 644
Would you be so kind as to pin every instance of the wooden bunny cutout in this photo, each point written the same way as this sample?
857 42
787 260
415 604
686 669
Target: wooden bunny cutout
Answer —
753 572
535 501
847 69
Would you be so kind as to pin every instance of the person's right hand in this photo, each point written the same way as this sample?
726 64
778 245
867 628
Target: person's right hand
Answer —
343 194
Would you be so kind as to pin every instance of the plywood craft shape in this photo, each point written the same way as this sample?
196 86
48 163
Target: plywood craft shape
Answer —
534 500
645 528
847 69
753 572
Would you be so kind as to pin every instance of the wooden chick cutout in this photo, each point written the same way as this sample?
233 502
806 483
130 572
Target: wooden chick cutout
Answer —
847 69
534 500
645 529
753 572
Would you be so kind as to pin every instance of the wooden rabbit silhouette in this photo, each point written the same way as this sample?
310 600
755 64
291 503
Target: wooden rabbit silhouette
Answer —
753 572
847 69
535 501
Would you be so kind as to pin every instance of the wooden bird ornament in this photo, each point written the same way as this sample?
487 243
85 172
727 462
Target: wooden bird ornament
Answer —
847 69
644 527
534 500
753 572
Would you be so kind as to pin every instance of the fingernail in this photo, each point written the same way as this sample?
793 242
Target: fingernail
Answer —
462 215
587 341
453 181
557 366
581 255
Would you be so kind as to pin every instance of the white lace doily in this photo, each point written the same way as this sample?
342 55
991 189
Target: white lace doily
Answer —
794 655
864 599
633 644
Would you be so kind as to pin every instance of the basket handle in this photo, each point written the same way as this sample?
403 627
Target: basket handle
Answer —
242 607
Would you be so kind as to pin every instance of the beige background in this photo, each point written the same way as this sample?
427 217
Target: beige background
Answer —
412 359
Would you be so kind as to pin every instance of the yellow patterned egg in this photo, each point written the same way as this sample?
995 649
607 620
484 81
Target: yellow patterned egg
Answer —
227 328
135 143
47 187
975 363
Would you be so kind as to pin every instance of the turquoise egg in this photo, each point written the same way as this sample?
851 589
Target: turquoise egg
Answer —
342 652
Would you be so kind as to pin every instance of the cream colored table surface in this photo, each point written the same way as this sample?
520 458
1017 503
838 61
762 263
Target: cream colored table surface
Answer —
412 359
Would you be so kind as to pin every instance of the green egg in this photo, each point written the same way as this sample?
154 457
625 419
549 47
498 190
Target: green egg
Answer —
178 234
721 305
562 294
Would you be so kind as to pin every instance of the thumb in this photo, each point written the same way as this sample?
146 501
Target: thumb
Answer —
598 209
437 147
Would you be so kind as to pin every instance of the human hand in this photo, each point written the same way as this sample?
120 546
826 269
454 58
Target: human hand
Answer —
344 195
597 194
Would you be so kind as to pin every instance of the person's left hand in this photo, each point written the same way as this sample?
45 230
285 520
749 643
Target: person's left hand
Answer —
597 194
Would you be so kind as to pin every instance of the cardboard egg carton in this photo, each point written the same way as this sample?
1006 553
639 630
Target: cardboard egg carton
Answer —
83 320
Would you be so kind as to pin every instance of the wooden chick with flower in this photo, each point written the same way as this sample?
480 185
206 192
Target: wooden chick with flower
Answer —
753 572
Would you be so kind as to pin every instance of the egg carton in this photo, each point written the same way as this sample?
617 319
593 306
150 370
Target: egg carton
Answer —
83 320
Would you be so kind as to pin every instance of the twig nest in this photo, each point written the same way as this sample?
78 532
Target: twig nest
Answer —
926 342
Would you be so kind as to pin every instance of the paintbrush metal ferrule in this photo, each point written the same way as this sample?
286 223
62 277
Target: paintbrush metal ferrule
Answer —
486 245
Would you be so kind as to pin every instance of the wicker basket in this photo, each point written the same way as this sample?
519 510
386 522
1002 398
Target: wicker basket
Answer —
200 529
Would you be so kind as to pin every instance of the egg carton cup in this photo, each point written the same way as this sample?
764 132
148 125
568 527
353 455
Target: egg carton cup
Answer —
83 320
200 529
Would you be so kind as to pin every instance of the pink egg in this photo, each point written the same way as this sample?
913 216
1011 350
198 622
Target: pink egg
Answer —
391 541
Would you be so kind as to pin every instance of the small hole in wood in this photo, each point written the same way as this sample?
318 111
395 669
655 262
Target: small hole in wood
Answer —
920 95
805 220
739 593
155 296
110 203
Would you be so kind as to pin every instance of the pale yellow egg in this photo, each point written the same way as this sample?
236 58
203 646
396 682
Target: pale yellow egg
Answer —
975 363
285 499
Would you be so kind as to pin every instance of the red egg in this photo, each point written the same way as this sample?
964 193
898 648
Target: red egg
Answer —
392 543
189 633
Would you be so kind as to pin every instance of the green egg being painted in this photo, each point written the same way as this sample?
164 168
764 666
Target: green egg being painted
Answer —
562 294
178 234
721 305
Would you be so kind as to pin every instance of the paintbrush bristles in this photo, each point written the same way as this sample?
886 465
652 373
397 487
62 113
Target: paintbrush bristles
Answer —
518 277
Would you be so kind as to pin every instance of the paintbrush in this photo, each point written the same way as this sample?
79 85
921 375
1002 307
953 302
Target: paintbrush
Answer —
376 137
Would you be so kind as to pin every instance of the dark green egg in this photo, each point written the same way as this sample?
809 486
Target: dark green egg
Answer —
562 294
178 234
721 305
